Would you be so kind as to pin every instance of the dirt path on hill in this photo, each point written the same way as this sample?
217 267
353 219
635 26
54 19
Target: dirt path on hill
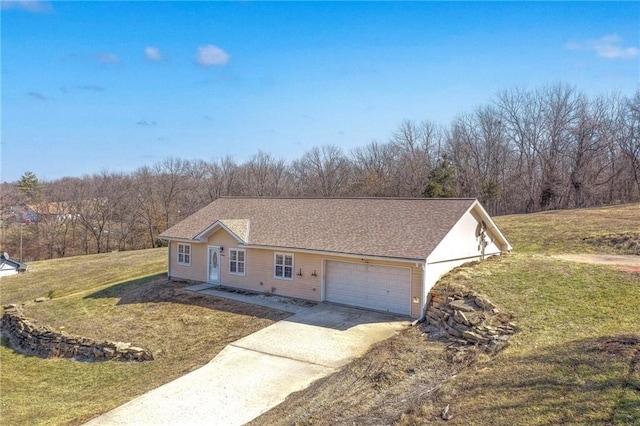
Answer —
630 263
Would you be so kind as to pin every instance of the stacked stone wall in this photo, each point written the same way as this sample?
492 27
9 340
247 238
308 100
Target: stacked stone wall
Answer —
27 337
467 318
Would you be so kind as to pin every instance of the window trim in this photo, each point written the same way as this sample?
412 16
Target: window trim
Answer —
275 266
186 254
244 261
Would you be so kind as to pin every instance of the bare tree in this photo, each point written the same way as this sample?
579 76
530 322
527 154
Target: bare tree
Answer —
590 138
374 170
630 139
417 148
92 201
322 172
265 176
172 183
477 145
521 113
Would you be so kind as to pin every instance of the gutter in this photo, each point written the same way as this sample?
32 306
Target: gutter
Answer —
334 253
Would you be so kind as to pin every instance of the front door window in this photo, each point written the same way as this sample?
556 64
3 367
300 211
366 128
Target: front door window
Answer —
214 264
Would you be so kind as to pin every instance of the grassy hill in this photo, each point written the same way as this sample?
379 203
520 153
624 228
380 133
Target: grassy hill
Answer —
574 231
63 277
575 360
124 297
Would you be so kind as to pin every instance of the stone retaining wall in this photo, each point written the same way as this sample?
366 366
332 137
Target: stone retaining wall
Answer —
32 339
467 318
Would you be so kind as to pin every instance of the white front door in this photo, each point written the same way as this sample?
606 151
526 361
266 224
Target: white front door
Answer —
214 265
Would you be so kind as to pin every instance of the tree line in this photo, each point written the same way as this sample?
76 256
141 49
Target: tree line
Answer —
526 150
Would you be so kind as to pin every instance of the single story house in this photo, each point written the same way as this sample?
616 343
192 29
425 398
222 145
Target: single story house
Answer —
9 266
382 254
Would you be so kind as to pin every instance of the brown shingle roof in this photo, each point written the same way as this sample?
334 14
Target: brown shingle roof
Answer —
388 227
240 227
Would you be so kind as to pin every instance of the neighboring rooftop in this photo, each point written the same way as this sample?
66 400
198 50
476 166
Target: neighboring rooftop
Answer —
6 262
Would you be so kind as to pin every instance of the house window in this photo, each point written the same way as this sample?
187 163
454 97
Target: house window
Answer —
184 254
283 267
237 261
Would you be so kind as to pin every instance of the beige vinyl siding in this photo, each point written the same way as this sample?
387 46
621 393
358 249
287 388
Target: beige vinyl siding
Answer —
260 270
197 271
416 291
260 277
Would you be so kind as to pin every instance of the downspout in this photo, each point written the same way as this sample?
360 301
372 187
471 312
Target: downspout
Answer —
425 296
169 259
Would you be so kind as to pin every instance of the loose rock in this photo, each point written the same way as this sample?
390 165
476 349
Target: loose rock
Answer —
467 318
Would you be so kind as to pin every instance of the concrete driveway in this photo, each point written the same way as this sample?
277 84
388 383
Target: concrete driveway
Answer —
256 373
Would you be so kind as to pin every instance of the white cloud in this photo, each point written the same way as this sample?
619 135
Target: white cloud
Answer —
210 55
107 58
608 47
27 5
153 54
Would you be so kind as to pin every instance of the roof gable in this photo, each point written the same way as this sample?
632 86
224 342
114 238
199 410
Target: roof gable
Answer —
238 228
388 227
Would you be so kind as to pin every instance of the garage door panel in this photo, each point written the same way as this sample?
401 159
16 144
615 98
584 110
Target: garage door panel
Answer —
378 287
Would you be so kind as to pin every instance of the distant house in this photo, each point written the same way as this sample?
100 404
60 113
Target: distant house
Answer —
382 254
58 210
10 266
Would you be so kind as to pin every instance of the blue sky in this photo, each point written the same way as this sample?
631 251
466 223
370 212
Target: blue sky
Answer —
93 86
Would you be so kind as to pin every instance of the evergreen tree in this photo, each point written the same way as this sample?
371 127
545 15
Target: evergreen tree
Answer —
442 181
30 185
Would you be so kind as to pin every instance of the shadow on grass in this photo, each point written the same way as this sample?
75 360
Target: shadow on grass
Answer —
159 289
587 382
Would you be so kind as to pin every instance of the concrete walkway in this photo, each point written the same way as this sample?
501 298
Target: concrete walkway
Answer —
256 373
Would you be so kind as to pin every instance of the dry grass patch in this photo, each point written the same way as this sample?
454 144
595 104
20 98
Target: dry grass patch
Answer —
184 330
575 360
572 231
572 362
372 390
65 276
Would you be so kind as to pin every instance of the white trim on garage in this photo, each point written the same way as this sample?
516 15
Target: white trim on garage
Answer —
368 285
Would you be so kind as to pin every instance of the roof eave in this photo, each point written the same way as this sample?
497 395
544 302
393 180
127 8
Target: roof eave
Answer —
177 239
492 225
336 253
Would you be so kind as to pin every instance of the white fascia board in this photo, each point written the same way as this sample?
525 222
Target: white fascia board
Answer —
178 240
202 237
492 225
417 262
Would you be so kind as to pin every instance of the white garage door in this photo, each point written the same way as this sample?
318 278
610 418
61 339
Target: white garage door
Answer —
383 288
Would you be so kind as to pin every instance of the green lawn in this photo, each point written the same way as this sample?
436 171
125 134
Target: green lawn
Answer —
65 276
118 296
570 363
576 360
567 231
